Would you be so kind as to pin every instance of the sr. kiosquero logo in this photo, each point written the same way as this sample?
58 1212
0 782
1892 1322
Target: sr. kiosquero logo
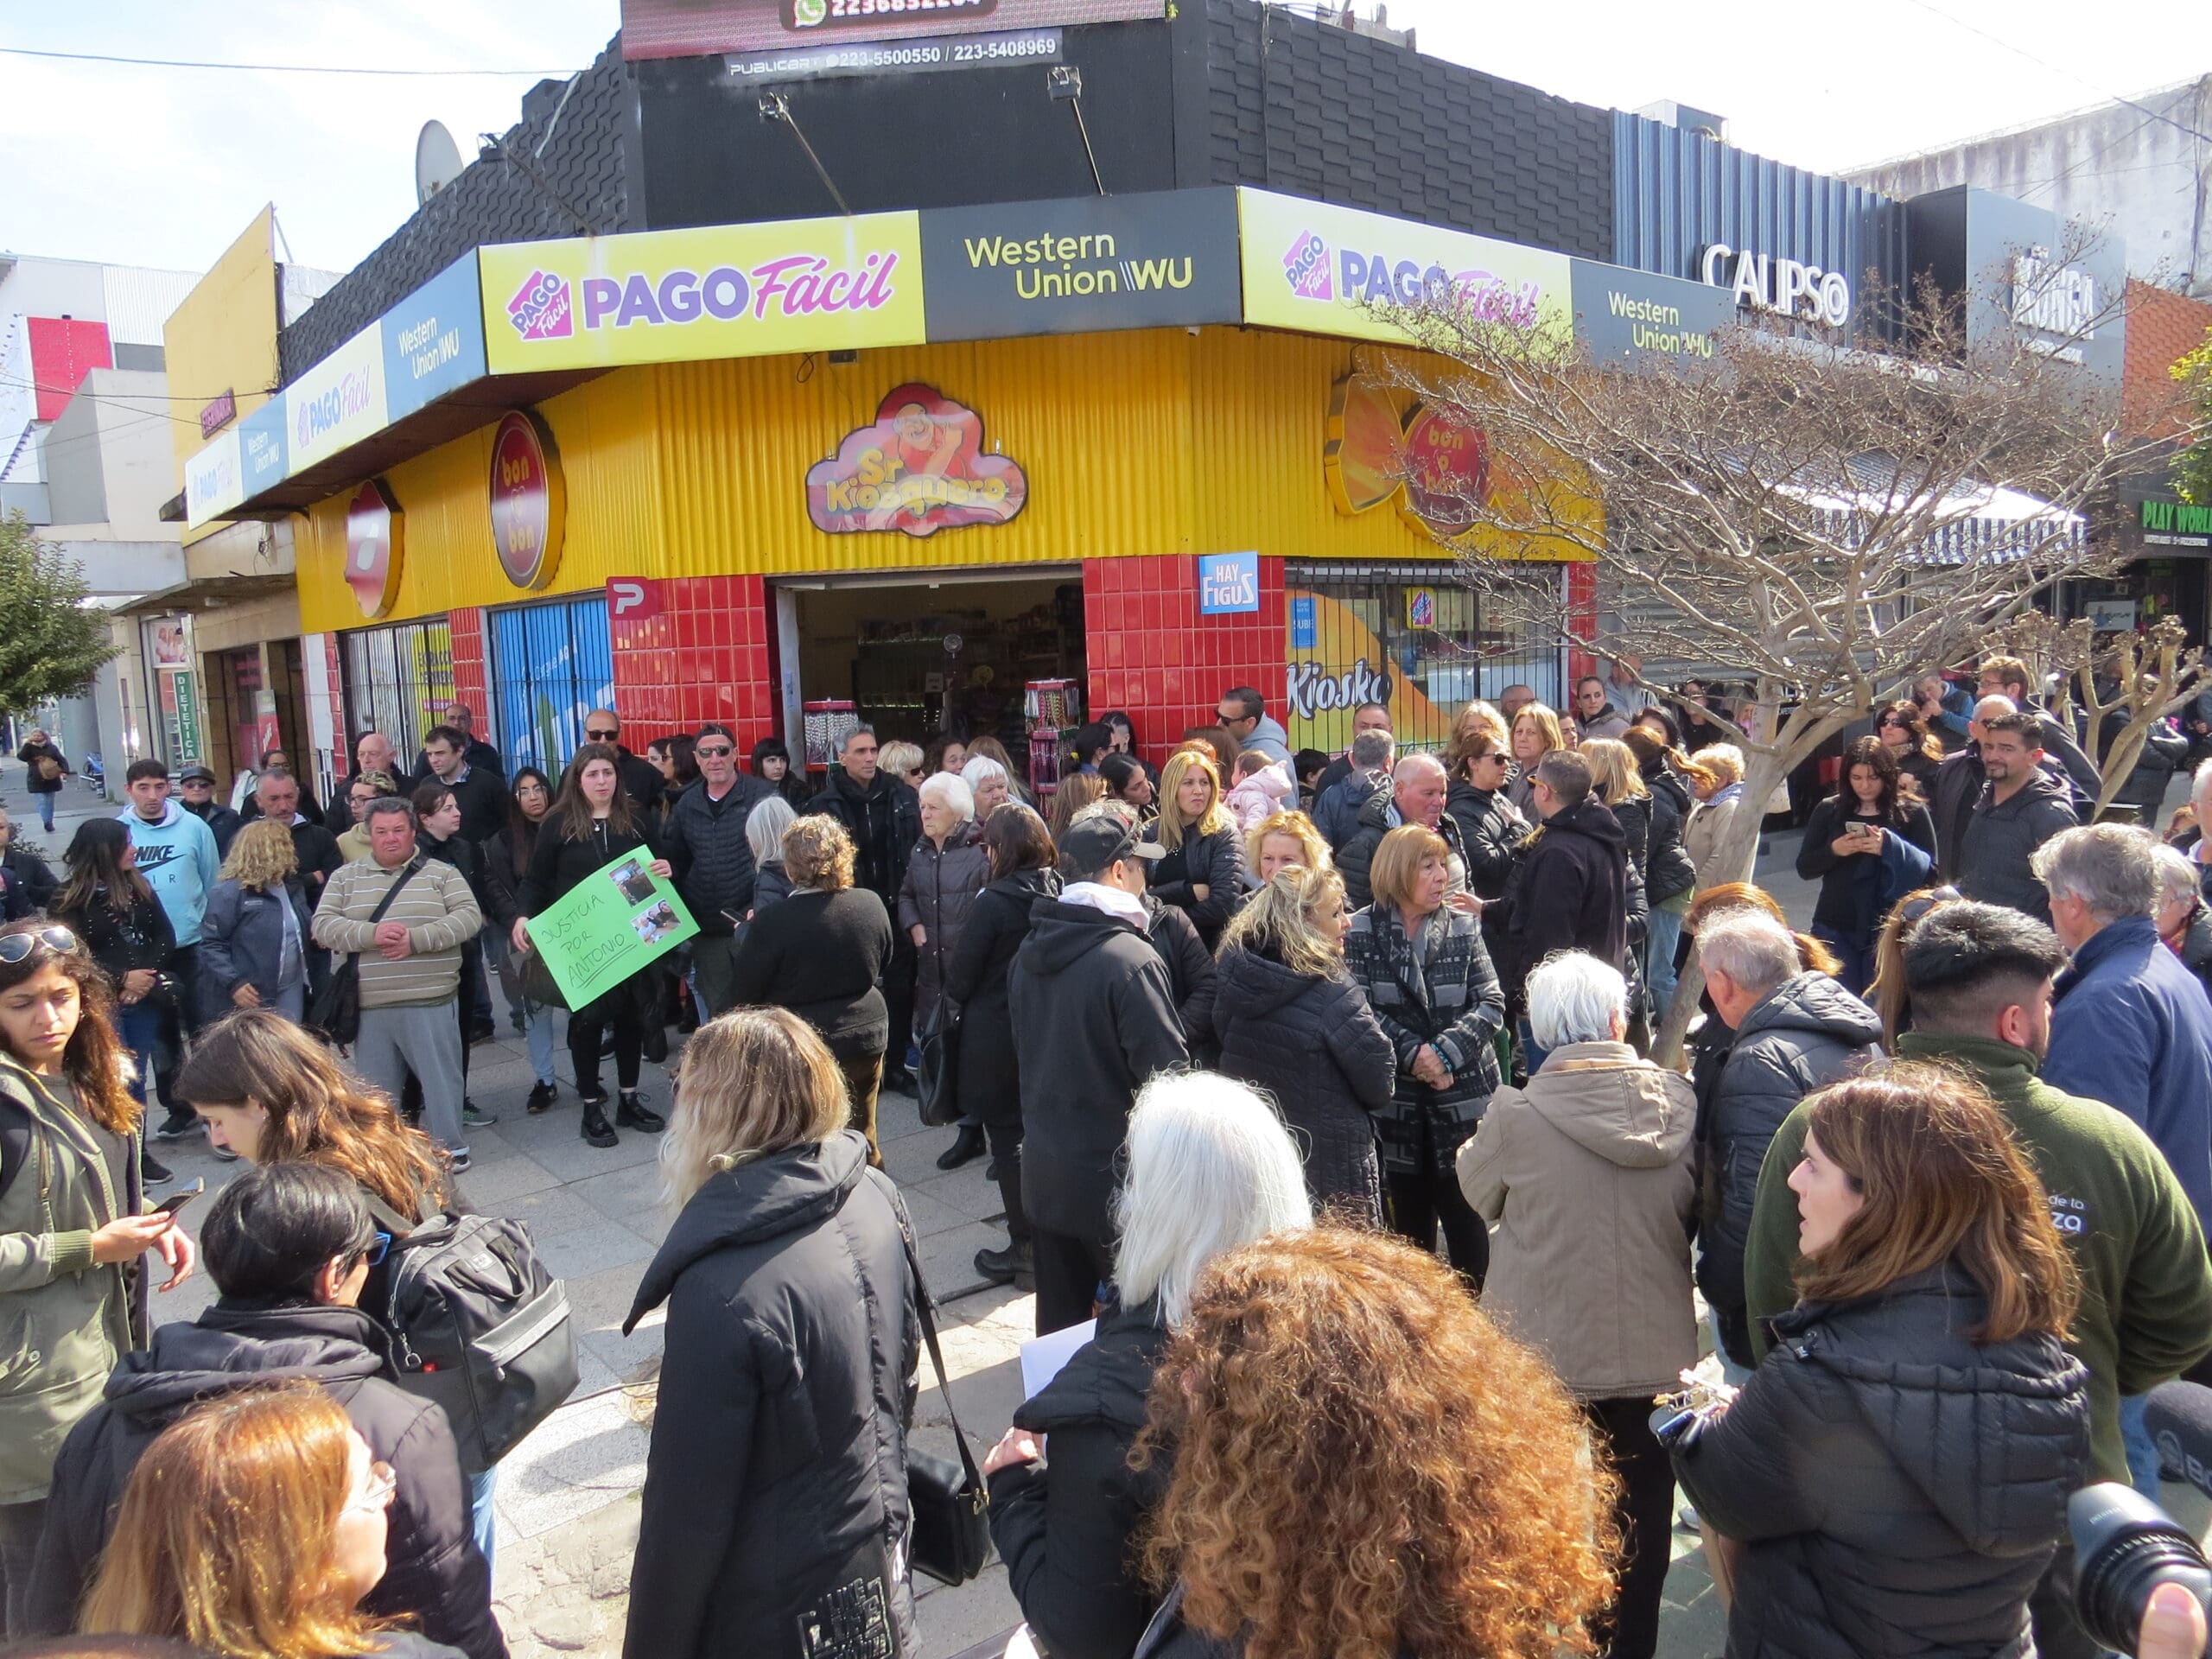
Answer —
920 468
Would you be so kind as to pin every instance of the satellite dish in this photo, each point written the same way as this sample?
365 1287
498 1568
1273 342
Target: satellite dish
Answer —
437 161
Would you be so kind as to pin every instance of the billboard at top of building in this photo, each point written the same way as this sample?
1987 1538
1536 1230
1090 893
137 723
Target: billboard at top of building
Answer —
434 340
338 402
729 290
688 29
1323 270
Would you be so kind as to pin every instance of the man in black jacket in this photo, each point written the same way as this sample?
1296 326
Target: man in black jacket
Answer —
1094 1017
2021 807
2007 676
482 793
884 817
1418 792
704 839
195 793
373 751
641 779
316 849
1367 717
289 1245
1959 778
1570 889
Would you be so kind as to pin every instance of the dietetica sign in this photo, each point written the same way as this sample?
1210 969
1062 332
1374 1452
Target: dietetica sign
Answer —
1783 287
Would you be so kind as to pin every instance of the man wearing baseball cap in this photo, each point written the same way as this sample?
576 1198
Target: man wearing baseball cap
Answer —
195 788
1094 1017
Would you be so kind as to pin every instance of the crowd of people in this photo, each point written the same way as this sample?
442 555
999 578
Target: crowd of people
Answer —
1325 1085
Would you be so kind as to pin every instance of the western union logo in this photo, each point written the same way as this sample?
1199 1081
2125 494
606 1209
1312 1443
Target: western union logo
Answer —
1074 267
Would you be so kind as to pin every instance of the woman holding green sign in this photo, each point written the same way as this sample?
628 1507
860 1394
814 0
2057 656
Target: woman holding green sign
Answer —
593 821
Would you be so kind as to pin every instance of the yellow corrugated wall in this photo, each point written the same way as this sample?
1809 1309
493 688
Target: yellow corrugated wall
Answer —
1150 443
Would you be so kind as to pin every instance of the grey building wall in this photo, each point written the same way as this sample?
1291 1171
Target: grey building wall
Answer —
2120 168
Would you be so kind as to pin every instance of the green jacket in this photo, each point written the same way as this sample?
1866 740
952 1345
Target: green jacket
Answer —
65 1323
2147 1286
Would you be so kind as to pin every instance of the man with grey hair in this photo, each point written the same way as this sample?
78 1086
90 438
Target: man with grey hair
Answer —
1336 810
1418 791
1794 1031
2129 1026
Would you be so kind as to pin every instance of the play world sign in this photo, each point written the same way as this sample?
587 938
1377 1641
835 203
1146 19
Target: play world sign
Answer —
1782 287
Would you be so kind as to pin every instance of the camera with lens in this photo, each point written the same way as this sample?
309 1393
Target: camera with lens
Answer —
2125 1546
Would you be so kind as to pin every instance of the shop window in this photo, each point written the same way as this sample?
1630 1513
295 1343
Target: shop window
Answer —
398 681
551 665
1416 637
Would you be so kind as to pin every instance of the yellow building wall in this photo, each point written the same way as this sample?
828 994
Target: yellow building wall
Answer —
223 337
1150 443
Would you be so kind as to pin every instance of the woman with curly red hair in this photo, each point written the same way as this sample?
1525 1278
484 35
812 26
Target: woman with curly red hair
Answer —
1365 1467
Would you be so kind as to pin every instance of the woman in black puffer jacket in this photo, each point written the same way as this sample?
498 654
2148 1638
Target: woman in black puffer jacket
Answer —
944 872
1896 1470
1202 874
1290 1020
1669 873
775 1504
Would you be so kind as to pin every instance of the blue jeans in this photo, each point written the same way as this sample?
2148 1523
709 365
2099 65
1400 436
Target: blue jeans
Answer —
1530 1053
482 1522
1663 931
542 1027
45 811
140 1029
2142 1454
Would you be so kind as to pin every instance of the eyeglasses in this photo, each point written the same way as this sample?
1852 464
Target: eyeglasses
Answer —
14 947
713 751
383 1486
380 1247
602 737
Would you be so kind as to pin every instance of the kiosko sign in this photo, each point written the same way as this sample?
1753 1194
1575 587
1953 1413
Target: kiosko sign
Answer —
673 296
1085 266
529 500
920 468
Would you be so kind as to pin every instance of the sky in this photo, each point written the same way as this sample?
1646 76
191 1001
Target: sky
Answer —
162 167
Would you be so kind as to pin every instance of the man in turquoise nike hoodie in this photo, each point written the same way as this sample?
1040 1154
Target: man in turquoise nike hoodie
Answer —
177 855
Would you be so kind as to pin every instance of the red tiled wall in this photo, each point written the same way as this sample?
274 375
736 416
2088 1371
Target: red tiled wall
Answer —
1152 654
705 656
469 683
342 728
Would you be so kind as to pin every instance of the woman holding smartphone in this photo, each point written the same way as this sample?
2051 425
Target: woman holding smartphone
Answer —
72 1226
1868 845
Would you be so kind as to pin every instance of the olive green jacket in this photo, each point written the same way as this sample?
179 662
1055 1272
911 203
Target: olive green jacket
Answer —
63 1321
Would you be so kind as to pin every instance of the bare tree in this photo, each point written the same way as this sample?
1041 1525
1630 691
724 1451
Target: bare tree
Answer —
1827 522
2146 677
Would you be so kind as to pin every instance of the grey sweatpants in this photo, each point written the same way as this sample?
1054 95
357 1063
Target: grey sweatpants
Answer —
423 1037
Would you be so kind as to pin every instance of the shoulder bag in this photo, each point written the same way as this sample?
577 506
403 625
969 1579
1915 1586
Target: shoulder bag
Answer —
951 1532
335 1015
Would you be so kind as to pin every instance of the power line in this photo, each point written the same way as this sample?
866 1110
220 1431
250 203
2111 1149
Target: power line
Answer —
275 68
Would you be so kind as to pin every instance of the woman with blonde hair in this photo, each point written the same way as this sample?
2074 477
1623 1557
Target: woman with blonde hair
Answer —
903 761
1203 874
775 1496
1426 973
1365 1465
823 953
252 1528
1537 732
1290 1020
1280 840
1934 1298
253 943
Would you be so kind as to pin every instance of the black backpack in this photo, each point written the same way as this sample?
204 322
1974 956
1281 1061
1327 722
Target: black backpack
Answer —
480 1328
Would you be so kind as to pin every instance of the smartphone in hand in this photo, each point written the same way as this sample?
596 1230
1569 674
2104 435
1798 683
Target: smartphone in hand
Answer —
175 1202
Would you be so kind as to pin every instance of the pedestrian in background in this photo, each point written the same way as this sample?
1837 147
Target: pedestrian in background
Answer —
1537 732
772 764
48 769
177 855
365 791
506 862
2021 807
1669 873
1586 1173
764 826
775 1498
1716 779
1296 1351
1281 840
1902 730
2184 921
944 872
1127 781
675 758
195 793
1210 1167
704 833
1868 845
1290 1019
256 950
1201 867
25 866
1419 961
883 817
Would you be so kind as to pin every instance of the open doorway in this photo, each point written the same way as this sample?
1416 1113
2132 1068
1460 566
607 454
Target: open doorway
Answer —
923 657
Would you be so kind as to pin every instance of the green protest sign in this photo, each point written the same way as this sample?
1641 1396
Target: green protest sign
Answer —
614 922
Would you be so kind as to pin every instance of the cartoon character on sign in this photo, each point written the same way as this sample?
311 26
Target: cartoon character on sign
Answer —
918 469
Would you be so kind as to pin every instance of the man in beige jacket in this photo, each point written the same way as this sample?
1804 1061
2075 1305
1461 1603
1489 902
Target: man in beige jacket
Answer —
410 965
1585 1175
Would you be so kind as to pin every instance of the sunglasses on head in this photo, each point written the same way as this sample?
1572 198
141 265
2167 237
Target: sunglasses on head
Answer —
14 947
1913 909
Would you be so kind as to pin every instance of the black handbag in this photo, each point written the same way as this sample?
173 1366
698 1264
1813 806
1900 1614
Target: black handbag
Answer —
951 1532
937 1082
539 984
335 1014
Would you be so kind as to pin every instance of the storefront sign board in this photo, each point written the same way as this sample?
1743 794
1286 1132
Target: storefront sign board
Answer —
263 453
213 481
1645 320
338 402
731 290
434 340
1336 270
686 29
217 412
2167 523
618 919
375 546
1158 260
1228 583
529 499
920 467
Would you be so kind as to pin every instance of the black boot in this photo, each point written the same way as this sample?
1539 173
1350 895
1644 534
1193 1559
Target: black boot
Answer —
967 1146
630 1114
1014 1265
596 1128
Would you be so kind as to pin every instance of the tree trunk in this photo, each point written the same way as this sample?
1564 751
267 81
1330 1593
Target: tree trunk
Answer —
1735 859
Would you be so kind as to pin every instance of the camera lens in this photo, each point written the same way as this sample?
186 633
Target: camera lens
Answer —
2125 1546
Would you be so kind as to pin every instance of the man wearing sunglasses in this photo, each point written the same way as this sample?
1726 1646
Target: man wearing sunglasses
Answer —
289 1247
641 779
704 835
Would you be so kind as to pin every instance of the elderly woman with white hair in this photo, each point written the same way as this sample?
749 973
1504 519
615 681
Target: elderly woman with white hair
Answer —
2184 920
988 782
1585 1173
1210 1167
946 870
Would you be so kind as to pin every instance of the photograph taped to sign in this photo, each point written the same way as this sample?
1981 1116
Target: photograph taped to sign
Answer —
609 925
687 28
